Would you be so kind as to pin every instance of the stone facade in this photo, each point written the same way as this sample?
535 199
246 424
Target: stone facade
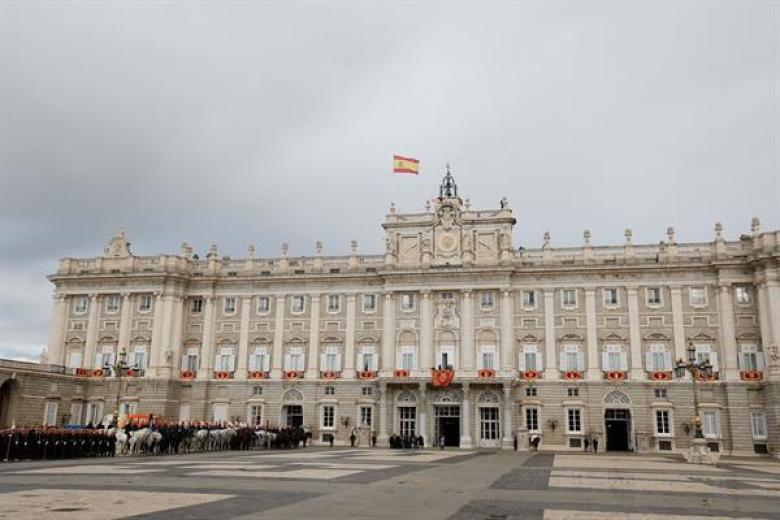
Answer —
565 343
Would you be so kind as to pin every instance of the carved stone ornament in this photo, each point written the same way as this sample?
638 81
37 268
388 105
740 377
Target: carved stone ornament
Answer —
446 398
446 317
292 395
118 247
616 397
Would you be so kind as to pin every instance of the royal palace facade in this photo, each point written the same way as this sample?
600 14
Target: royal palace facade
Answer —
452 331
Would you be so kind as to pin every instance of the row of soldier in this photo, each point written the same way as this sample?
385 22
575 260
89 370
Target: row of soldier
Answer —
55 443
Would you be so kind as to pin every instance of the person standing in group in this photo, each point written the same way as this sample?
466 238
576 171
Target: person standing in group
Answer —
352 438
587 444
442 441
595 445
373 439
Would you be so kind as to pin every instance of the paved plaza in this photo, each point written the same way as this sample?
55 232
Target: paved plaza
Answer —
359 483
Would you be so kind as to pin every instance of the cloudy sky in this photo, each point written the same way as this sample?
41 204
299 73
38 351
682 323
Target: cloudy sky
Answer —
248 122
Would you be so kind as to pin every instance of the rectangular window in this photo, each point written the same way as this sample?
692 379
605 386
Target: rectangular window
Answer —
295 360
298 304
749 360
330 390
219 412
82 302
196 306
698 296
112 303
532 420
407 301
263 304
256 415
486 300
407 358
614 357
530 391
744 295
257 390
709 423
569 297
328 413
259 360
74 359
76 410
369 302
94 412
407 419
573 392
758 424
530 358
654 296
225 360
574 420
365 416
367 390
488 357
50 413
529 299
230 305
660 393
662 422
334 302
571 358
446 296
145 303
367 359
190 360
140 359
610 296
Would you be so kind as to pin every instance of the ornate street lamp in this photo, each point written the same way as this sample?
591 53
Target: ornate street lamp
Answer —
697 369
119 369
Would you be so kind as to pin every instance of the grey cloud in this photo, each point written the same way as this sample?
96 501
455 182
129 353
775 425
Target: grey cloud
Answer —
262 123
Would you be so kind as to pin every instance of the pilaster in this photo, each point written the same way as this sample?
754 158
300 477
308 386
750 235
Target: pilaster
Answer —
243 338
92 326
423 409
56 350
678 327
382 438
426 332
349 340
508 440
313 363
124 323
507 332
277 358
635 339
155 351
728 333
176 339
207 345
388 335
551 359
465 413
592 344
468 349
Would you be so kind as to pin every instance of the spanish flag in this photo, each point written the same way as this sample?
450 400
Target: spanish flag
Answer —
405 165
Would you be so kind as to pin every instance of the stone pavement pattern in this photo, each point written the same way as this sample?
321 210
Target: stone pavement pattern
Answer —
379 484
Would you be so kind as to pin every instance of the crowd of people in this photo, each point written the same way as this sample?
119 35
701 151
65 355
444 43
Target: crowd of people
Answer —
55 443
409 442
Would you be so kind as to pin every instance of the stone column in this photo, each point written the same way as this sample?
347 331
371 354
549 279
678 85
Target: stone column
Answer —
155 348
550 354
388 335
508 441
349 340
773 305
427 358
592 342
728 336
313 363
277 358
124 324
468 349
56 343
166 333
243 338
176 338
382 438
423 409
207 345
465 414
507 333
678 327
92 326
635 338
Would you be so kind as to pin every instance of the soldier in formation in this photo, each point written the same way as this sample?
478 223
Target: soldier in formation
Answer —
54 443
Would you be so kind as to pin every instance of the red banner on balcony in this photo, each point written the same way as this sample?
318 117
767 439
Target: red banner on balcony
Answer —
443 377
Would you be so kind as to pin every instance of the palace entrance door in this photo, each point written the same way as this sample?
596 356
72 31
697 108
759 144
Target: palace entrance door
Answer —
617 425
447 424
293 415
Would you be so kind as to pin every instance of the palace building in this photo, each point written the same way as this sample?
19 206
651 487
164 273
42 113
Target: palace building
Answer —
453 331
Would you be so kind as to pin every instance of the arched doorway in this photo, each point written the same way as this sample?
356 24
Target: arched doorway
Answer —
292 408
446 406
617 421
8 392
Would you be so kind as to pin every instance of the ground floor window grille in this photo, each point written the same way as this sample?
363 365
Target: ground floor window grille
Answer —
407 420
488 423
365 415
662 422
532 419
256 415
574 420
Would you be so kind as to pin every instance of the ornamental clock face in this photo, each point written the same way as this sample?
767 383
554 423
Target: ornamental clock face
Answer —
447 242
